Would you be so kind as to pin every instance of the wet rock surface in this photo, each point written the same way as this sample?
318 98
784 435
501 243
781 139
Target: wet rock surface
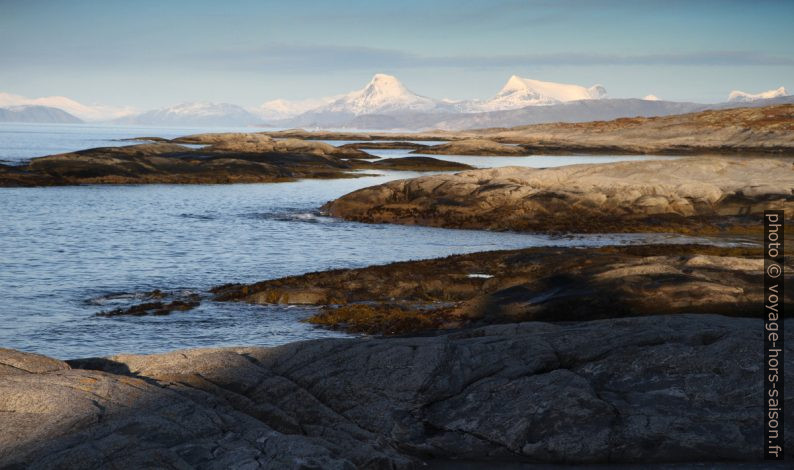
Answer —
546 284
697 195
668 388
156 302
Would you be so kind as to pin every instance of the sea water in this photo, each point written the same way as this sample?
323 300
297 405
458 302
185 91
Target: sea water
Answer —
67 253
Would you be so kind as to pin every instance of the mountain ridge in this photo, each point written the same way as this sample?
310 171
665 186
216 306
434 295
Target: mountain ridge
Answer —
386 103
199 113
37 114
82 111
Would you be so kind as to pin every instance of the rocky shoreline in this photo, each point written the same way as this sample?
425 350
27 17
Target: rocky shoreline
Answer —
665 388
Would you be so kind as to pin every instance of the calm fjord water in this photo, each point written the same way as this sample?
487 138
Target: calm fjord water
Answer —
68 252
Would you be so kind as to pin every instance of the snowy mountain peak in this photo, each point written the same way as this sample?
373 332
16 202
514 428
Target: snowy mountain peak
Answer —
514 83
737 96
519 92
386 82
384 93
383 89
549 91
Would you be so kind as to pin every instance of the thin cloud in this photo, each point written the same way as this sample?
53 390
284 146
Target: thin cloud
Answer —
299 58
292 58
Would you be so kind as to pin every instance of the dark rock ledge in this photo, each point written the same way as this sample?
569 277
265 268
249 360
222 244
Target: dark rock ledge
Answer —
668 388
534 284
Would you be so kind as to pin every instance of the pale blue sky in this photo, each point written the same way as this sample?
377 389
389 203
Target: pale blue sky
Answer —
155 53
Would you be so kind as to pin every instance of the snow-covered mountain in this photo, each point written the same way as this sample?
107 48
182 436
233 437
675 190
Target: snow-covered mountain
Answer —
737 96
195 114
383 94
37 114
520 92
82 111
385 103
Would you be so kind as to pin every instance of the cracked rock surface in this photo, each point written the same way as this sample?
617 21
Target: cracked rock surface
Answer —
668 388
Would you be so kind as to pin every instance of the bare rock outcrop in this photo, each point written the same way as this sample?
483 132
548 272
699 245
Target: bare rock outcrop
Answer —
482 147
671 388
263 143
17 362
688 194
764 130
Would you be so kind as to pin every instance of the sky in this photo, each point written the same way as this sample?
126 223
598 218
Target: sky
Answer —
150 54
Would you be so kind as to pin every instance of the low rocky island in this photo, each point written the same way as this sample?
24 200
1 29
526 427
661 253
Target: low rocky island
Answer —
695 195
225 158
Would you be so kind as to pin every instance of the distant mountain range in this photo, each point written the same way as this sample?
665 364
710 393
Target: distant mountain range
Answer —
82 111
194 114
385 95
385 103
37 114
